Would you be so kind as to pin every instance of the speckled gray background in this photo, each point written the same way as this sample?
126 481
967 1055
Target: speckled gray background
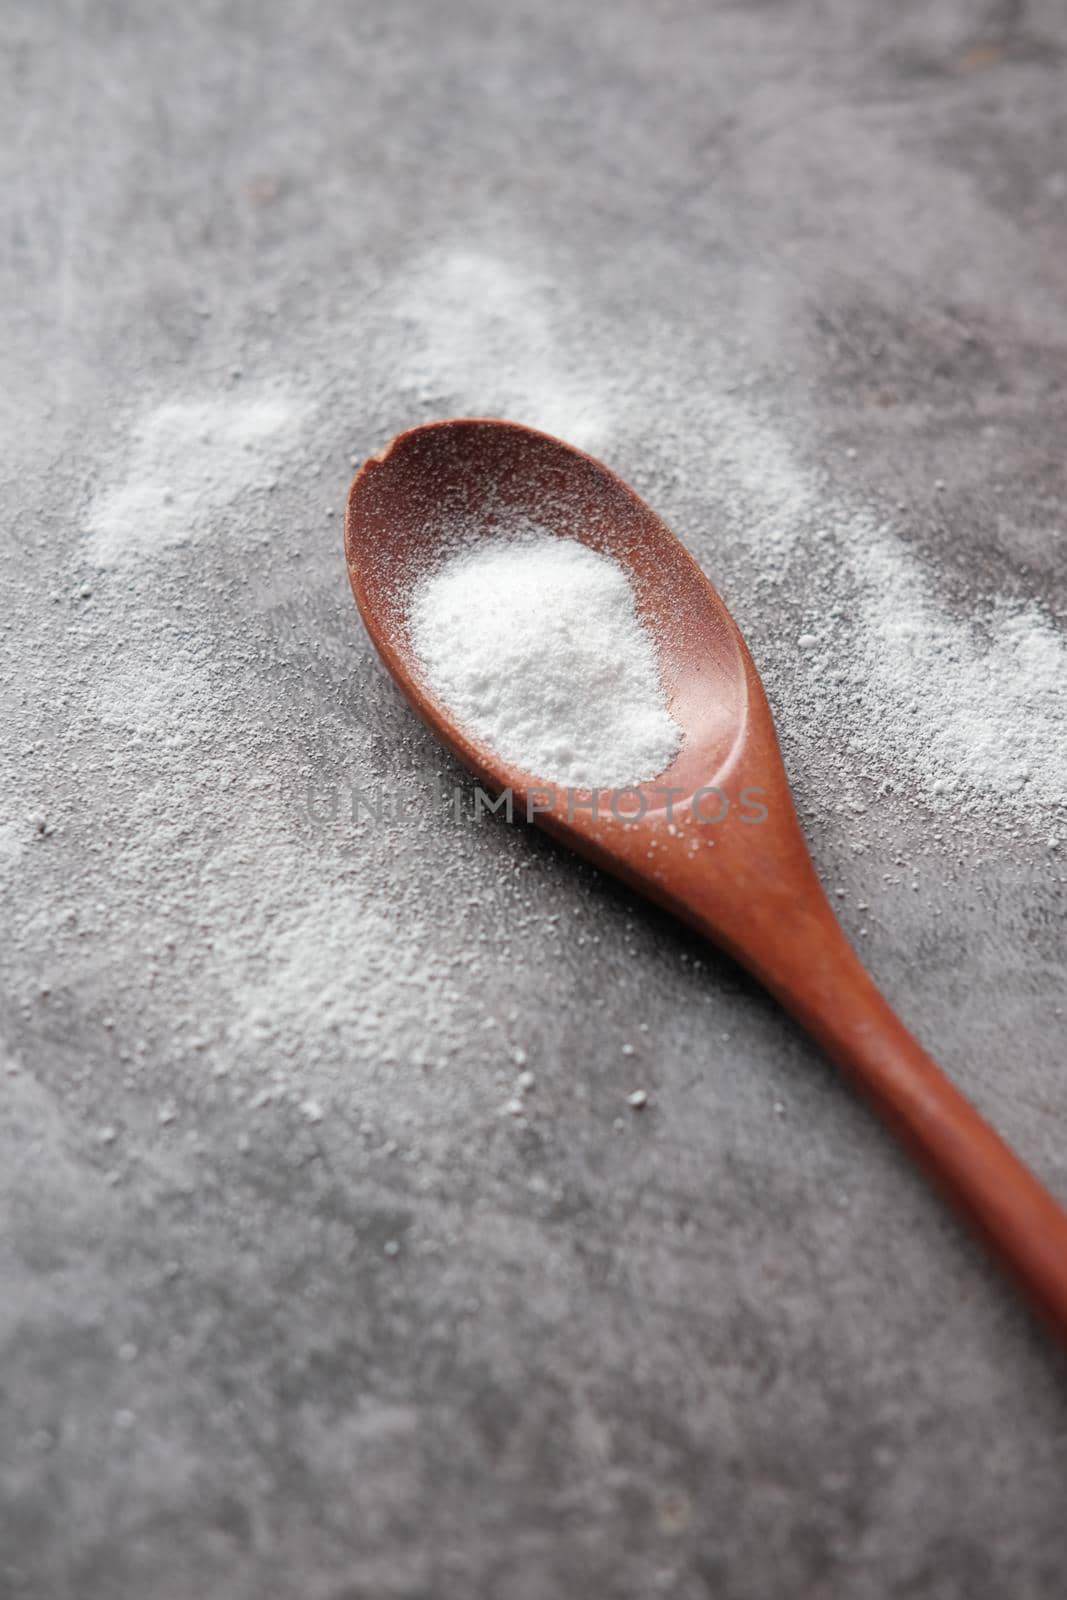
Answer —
731 1347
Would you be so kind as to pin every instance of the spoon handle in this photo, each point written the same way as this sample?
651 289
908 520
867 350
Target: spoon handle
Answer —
818 978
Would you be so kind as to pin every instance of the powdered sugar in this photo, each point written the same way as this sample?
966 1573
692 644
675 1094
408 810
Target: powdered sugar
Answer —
534 644
187 459
975 708
479 335
962 709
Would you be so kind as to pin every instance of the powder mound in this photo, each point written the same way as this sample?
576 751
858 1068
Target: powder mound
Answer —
535 645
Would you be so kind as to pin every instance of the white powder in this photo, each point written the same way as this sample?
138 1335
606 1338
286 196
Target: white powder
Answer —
534 643
477 339
188 458
976 711
966 712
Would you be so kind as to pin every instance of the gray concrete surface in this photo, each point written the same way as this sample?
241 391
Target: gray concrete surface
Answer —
412 1347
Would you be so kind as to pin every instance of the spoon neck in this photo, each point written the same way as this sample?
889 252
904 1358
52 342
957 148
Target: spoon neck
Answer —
795 945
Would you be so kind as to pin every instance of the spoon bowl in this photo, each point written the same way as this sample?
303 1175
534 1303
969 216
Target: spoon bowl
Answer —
715 838
482 476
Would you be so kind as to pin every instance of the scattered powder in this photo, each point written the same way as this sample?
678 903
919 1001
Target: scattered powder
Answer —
191 897
963 710
188 459
479 338
535 644
328 976
12 840
975 707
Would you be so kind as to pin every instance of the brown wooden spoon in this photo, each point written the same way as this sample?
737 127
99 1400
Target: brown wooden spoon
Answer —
748 885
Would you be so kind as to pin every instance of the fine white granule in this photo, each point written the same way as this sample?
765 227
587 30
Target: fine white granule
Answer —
188 459
535 645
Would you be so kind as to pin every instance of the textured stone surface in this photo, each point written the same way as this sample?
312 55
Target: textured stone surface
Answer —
728 1347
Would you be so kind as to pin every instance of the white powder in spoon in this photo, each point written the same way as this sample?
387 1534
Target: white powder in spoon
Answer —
535 645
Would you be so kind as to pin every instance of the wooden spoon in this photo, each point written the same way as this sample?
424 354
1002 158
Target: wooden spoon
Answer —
748 885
